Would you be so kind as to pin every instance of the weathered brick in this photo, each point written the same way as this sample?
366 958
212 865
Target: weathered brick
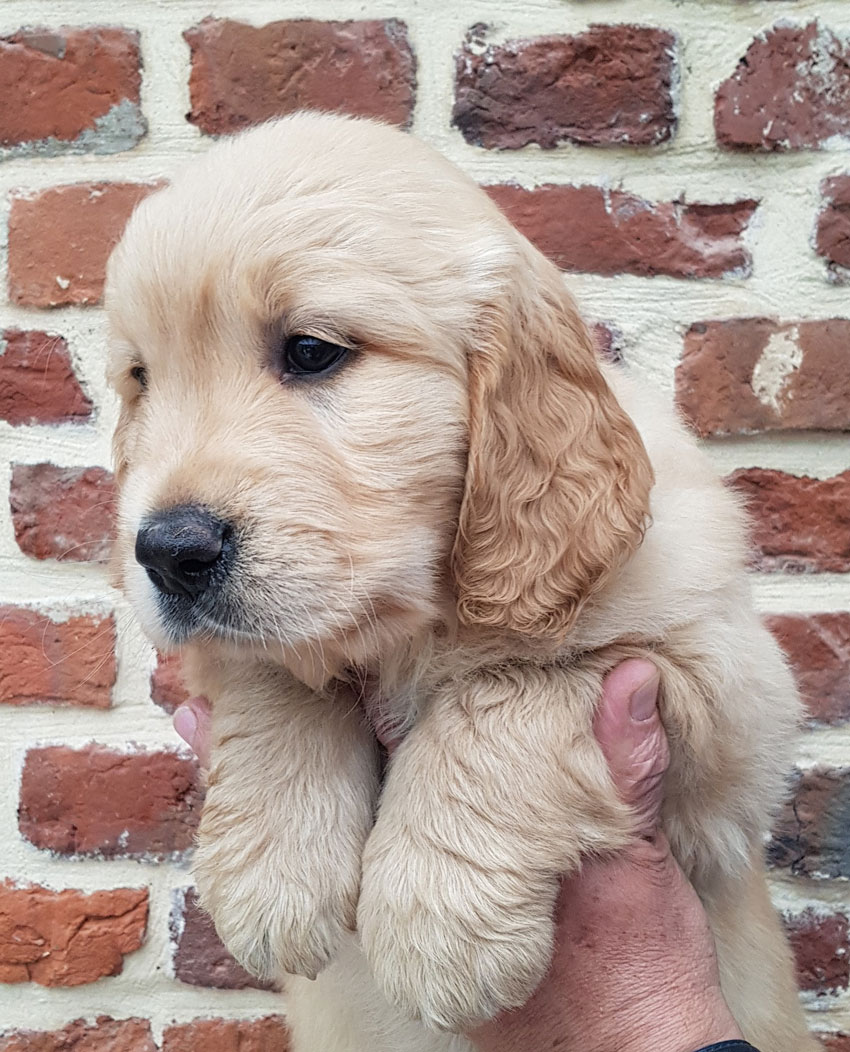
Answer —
98 801
820 946
43 661
70 89
790 91
798 524
243 74
832 235
588 228
812 835
167 688
199 956
104 1035
609 86
60 240
62 513
37 381
269 1034
754 374
67 938
818 647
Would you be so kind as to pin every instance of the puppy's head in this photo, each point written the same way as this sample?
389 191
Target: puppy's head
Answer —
351 396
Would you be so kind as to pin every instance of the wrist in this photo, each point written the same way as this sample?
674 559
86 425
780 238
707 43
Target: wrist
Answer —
669 1019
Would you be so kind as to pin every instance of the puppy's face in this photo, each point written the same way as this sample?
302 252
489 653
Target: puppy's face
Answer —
289 339
313 330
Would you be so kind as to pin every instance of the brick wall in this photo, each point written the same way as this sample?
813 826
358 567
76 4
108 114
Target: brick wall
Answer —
688 165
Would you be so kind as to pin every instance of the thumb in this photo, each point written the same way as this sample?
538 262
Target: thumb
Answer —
630 733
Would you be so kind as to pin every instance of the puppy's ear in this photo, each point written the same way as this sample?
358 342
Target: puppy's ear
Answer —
558 480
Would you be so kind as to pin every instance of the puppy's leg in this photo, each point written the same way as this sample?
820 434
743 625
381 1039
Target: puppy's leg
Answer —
495 792
756 965
289 804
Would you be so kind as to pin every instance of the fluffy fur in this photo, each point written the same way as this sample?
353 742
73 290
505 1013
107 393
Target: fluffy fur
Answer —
466 527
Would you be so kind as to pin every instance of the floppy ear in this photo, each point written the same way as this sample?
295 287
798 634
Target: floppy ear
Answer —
558 480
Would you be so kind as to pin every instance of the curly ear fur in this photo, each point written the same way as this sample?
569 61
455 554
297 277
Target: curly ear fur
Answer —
558 480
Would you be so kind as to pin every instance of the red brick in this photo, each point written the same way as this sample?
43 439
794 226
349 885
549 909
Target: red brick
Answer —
37 381
244 74
812 836
98 801
587 228
67 938
832 236
167 688
104 1035
200 958
819 942
56 662
609 86
818 647
799 524
60 240
790 91
836 1042
71 89
269 1034
753 374
62 513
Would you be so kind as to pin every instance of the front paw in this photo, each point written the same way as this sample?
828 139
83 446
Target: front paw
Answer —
277 909
451 942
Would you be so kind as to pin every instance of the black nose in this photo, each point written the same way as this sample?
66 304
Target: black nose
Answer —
180 547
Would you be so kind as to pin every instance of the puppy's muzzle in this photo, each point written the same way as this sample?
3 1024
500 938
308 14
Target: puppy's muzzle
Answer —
183 549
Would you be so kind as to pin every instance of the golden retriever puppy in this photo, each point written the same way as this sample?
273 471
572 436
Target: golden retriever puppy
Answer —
367 455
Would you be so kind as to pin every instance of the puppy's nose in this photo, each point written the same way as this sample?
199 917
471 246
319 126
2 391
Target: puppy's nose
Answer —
180 547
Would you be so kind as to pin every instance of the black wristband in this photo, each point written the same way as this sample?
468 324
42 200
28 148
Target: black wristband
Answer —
729 1046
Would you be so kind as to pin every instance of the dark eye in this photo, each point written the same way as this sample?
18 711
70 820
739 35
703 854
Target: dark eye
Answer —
310 355
140 375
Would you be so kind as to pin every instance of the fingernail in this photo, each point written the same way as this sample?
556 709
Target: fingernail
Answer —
186 724
643 702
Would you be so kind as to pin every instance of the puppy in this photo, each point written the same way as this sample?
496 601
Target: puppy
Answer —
367 455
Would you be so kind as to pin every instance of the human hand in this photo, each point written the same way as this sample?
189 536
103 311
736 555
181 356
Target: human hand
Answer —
634 968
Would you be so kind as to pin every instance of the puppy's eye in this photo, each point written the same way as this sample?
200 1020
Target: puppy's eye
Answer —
140 374
303 355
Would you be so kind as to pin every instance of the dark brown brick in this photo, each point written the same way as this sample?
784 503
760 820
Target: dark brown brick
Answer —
67 938
832 236
812 836
62 513
244 74
820 946
799 524
818 647
754 374
790 91
60 240
609 86
70 89
98 801
47 662
200 958
37 381
586 228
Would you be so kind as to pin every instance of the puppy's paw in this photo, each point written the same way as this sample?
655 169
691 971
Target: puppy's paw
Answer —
274 918
449 942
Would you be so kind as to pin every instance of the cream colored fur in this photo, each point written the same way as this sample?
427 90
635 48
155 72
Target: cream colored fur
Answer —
456 529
